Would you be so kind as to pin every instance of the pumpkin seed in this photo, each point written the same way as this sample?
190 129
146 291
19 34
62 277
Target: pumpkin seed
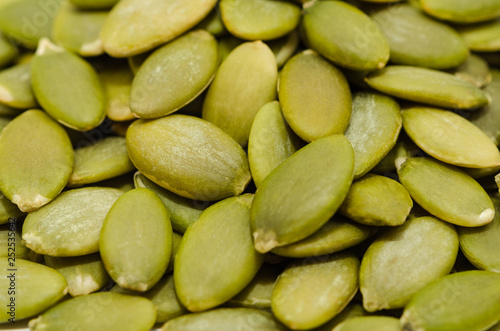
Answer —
136 240
8 111
259 19
463 12
216 258
102 311
36 288
314 96
94 4
373 323
446 192
227 45
352 310
463 301
20 251
15 87
427 86
71 224
34 136
215 168
404 148
284 48
136 26
8 210
116 78
8 50
84 274
67 87
212 23
245 82
476 70
174 75
482 37
450 138
271 142
373 130
308 294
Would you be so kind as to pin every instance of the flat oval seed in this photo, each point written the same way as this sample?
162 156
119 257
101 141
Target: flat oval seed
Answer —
480 245
116 79
183 212
462 12
482 37
245 82
105 159
450 138
174 75
78 31
13 231
427 86
345 35
36 162
372 323
259 19
67 87
37 288
373 130
225 319
308 294
336 235
94 4
216 259
70 226
415 39
212 23
15 87
84 274
284 48
28 21
476 70
352 310
271 142
377 200
216 167
314 96
136 26
110 311
391 270
8 210
464 301
136 240
488 117
446 192
308 187
8 51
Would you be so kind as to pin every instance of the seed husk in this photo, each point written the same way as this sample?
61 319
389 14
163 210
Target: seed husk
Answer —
15 87
308 187
34 136
314 96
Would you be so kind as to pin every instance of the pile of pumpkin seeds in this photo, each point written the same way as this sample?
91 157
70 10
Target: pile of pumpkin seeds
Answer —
250 165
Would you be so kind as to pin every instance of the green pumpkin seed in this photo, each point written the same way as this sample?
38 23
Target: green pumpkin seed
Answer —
136 240
116 78
284 48
78 31
136 26
464 301
183 212
215 168
94 4
462 12
216 259
482 37
259 19
11 234
336 235
345 35
226 46
225 319
36 288
308 187
271 142
377 200
98 311
308 294
314 96
71 224
67 87
105 159
351 311
446 192
84 274
415 39
488 118
174 75
450 138
245 82
176 243
137 60
480 244
8 210
476 70
391 273
427 86
8 51
34 136
404 148
372 323
15 87
258 293
212 23
373 130
28 21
